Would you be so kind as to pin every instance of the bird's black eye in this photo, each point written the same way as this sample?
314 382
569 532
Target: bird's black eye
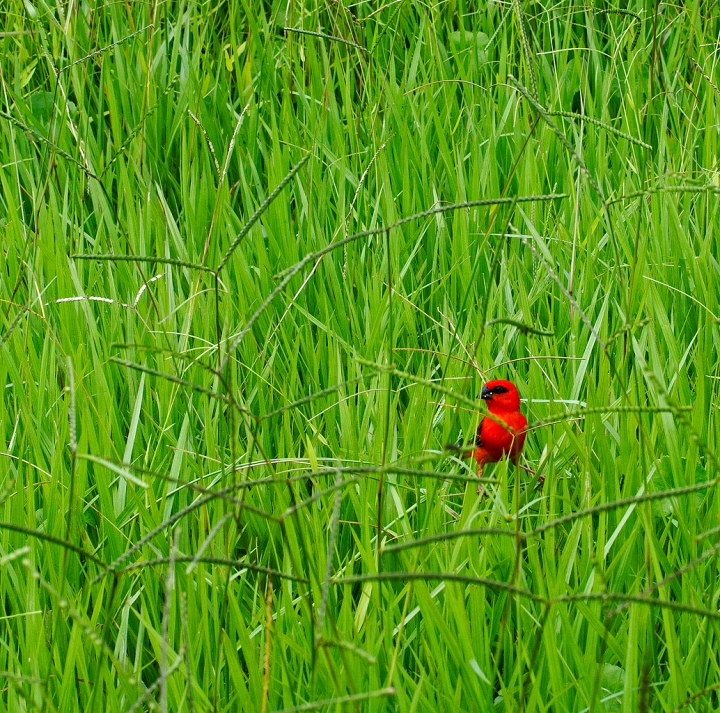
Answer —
500 390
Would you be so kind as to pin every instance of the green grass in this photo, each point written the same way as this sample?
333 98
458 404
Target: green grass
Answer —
223 483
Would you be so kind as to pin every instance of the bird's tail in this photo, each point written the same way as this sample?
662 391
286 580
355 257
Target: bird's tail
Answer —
463 449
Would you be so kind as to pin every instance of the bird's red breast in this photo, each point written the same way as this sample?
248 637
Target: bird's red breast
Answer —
494 442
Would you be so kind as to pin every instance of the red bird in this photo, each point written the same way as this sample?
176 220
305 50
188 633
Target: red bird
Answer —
493 442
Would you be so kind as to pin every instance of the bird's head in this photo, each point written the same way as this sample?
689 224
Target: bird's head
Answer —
500 395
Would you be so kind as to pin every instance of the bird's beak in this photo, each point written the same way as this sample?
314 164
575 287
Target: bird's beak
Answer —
486 394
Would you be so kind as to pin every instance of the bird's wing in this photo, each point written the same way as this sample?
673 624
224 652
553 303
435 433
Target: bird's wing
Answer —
478 437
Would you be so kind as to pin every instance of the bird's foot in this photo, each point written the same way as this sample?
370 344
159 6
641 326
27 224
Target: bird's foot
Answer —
541 478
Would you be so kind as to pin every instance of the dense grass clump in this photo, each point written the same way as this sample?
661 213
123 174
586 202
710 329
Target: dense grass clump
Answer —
258 260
